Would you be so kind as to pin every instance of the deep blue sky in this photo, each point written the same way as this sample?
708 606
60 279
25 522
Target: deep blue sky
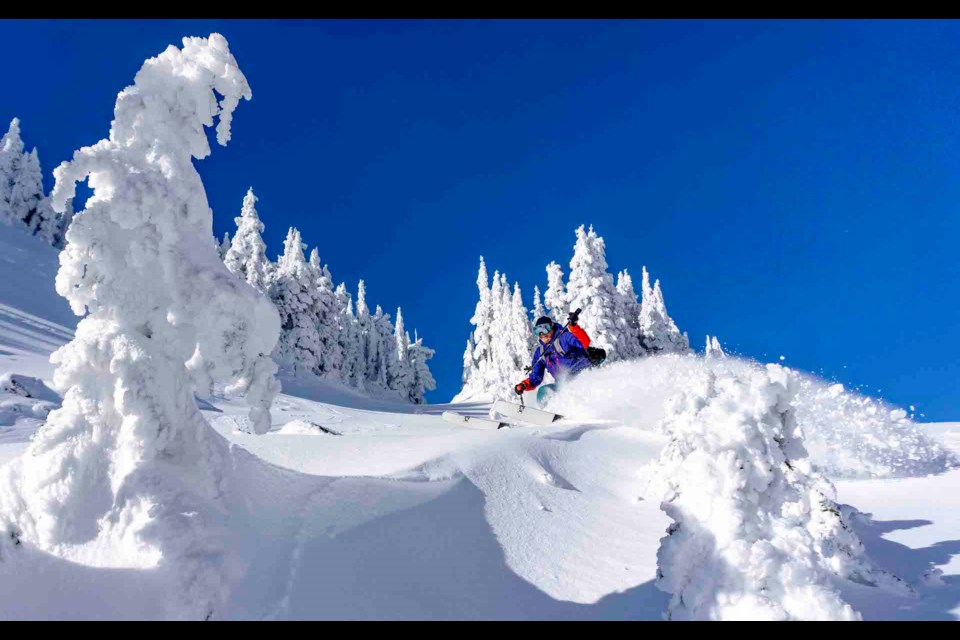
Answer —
794 185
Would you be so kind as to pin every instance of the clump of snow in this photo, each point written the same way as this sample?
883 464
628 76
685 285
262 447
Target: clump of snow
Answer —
846 434
128 473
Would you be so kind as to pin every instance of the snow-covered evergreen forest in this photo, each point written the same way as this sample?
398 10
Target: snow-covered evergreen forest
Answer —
323 332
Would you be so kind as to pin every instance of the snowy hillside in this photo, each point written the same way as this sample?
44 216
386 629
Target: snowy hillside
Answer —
364 509
157 473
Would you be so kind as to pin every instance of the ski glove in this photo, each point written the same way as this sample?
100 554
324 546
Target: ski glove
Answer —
573 317
519 389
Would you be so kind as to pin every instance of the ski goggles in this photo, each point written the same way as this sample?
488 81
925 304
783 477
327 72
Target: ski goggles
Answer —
543 329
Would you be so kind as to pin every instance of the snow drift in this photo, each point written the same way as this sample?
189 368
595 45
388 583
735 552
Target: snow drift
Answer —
847 434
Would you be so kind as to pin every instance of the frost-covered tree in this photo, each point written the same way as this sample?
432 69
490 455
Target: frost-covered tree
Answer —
628 316
385 364
28 204
353 372
247 256
422 378
538 310
659 333
325 316
713 348
224 246
11 158
555 297
293 292
590 288
403 379
520 336
468 364
128 471
22 200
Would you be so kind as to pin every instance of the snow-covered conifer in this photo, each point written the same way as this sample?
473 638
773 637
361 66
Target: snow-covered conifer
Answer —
590 288
11 157
353 372
422 377
555 297
659 333
224 245
713 348
325 316
128 471
538 310
293 291
628 316
403 379
27 199
247 256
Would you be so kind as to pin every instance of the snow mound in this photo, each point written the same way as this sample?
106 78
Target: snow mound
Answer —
745 505
847 435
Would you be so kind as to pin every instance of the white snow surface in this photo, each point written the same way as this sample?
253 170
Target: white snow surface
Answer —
403 516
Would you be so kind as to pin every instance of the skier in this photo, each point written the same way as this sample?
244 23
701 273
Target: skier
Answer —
563 351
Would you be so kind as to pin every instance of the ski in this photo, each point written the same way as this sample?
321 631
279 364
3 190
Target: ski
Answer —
524 413
480 423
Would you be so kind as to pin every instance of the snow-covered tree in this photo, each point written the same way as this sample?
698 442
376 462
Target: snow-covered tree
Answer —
294 293
27 199
11 158
555 297
590 288
538 310
422 378
713 348
224 246
353 372
22 200
247 256
520 335
326 311
403 378
128 469
659 333
385 364
628 316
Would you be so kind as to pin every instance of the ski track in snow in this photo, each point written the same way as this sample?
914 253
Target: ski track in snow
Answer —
404 516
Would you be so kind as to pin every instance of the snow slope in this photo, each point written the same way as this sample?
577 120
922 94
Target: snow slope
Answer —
358 508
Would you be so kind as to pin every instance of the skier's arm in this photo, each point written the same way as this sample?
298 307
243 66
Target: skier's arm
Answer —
536 372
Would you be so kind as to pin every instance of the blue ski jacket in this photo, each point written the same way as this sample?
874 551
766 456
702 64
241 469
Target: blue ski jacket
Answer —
564 355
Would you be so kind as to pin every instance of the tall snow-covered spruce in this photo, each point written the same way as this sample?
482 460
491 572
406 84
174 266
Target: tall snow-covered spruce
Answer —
128 471
247 253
